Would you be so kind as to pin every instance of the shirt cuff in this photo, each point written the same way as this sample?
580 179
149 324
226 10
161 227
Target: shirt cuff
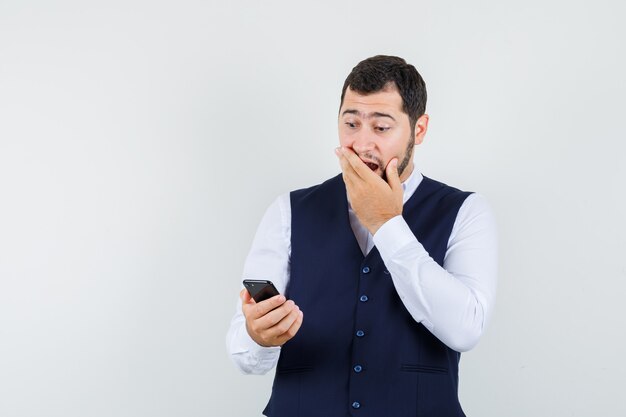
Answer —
244 343
393 236
250 357
266 356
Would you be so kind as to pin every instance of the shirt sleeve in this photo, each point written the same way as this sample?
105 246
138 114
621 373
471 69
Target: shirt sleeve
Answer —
268 259
454 302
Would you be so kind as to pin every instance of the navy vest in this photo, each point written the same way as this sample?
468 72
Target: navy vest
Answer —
359 352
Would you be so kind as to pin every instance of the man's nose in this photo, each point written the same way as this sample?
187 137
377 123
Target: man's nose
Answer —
363 142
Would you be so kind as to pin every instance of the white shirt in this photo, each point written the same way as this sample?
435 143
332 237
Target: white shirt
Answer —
454 302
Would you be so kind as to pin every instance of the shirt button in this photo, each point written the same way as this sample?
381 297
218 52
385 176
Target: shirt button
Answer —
366 270
386 272
360 333
356 404
364 298
358 368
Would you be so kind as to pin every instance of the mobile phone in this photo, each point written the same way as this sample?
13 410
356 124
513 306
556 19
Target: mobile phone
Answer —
260 289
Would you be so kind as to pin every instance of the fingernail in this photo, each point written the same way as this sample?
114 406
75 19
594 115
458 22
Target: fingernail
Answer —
395 162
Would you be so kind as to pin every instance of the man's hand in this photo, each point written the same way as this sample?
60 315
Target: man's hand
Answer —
271 322
373 200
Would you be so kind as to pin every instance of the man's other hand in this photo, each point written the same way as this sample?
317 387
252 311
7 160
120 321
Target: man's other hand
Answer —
373 200
271 322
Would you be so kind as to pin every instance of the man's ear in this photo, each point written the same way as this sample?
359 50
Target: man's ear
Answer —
421 126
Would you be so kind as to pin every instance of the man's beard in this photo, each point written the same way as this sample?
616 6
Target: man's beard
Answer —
408 154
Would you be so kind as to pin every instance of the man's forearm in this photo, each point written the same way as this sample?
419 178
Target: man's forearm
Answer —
455 301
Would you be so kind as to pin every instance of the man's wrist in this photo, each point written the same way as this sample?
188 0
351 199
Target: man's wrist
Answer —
374 228
392 236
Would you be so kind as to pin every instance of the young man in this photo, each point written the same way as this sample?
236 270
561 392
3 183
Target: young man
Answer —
385 275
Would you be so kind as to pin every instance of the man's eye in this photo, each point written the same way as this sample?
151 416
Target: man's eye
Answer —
382 129
351 125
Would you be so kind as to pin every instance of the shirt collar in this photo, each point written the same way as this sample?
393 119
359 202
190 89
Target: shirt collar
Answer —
410 185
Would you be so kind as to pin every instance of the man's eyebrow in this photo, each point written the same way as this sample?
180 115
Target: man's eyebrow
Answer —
367 116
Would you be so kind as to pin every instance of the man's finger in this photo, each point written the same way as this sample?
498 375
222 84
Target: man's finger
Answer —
349 175
273 317
357 164
343 161
254 310
285 323
392 175
281 340
245 296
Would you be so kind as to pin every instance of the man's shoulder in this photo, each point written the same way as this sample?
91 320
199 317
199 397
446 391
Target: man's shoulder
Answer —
470 203
440 186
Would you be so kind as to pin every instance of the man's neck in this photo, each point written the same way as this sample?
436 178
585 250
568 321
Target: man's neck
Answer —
407 172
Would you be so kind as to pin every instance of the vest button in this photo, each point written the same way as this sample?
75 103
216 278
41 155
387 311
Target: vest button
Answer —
360 333
366 270
364 298
358 368
356 404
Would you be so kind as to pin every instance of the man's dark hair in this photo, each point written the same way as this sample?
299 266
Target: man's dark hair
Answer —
373 74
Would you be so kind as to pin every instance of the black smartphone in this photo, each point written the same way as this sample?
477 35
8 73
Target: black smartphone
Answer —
260 289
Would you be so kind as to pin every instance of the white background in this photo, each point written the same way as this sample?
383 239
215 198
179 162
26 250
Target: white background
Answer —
141 142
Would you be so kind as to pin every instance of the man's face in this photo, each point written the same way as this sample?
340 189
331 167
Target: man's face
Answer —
377 129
